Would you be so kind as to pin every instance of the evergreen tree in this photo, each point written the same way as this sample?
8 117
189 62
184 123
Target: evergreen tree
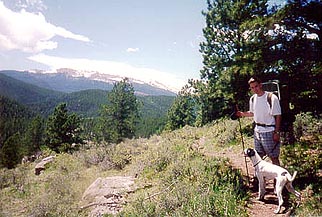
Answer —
11 154
295 53
13 122
13 118
34 135
120 114
231 51
182 112
245 38
63 129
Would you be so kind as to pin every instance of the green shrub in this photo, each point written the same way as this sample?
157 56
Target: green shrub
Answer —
311 202
106 157
306 125
305 156
59 195
15 178
193 186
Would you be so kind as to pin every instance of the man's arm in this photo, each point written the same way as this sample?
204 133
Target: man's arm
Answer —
276 135
245 114
278 119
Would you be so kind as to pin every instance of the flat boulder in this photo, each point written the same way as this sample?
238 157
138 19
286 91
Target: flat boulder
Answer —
107 195
41 165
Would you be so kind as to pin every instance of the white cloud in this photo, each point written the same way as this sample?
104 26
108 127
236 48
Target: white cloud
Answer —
147 75
37 5
132 50
30 32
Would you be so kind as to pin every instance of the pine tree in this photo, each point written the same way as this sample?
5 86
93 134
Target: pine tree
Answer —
63 129
231 50
182 112
11 154
295 54
34 135
120 114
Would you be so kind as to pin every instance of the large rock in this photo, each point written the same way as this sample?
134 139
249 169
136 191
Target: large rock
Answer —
41 165
107 195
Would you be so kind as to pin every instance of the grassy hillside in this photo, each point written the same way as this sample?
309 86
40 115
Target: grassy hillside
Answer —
168 159
175 177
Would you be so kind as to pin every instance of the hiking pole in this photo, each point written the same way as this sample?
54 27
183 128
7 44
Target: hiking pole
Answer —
242 139
234 116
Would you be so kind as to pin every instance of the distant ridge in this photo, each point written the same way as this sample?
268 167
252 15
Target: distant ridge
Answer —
84 102
23 92
69 80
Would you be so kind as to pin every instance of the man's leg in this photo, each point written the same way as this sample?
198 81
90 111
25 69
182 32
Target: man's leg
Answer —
271 148
261 152
258 145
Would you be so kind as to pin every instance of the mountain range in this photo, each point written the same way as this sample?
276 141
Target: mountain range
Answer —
85 102
69 80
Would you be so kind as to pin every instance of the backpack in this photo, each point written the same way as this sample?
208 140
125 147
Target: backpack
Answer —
269 99
287 116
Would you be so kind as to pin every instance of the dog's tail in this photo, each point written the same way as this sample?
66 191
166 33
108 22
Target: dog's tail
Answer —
293 177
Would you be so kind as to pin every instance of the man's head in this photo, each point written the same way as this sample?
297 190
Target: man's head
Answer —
255 85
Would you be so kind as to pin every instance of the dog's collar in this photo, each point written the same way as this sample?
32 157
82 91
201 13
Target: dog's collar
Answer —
257 163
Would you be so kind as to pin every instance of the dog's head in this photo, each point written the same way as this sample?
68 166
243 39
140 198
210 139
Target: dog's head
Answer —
249 152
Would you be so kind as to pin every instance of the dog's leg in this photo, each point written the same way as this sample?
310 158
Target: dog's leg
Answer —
279 188
261 186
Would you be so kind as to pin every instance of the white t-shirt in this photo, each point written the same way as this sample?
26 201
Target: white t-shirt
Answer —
263 112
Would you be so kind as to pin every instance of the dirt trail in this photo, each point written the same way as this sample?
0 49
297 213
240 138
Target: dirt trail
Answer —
255 207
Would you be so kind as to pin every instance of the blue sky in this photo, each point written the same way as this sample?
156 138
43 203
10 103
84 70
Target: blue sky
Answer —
150 40
145 39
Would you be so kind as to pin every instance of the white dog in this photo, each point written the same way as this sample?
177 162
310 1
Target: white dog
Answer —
265 170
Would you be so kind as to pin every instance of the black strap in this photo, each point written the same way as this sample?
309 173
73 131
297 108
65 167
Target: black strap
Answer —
269 98
265 125
257 163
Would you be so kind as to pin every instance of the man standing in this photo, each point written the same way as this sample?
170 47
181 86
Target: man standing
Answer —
266 112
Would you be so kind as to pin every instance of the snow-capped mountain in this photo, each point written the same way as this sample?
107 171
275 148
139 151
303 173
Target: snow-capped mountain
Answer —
108 78
70 80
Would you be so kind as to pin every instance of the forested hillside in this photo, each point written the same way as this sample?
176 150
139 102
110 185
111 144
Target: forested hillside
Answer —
13 118
85 103
26 111
25 93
